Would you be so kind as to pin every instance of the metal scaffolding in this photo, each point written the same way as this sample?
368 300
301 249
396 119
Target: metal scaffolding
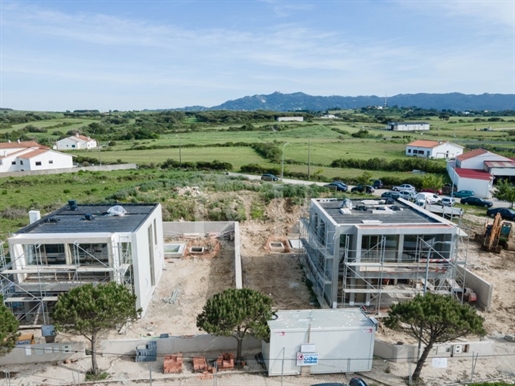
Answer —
372 279
31 290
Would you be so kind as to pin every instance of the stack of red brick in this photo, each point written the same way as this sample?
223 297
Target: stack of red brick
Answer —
173 364
225 361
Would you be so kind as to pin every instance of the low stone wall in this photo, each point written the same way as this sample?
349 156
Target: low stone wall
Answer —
186 344
40 353
103 168
483 289
408 352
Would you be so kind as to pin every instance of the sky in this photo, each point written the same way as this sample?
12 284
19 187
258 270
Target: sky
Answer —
155 54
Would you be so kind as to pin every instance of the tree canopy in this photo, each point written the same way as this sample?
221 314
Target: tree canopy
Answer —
8 329
505 192
90 309
434 318
237 312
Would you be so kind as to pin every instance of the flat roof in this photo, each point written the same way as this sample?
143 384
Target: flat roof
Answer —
340 318
375 212
69 220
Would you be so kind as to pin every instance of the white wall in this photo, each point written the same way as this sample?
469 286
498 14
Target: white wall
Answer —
446 150
48 160
478 161
140 250
481 188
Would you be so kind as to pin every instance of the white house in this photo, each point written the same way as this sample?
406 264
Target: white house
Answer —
408 126
290 119
76 142
433 149
477 169
30 156
80 244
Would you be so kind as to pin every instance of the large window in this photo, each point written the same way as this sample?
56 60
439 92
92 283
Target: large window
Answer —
45 254
92 254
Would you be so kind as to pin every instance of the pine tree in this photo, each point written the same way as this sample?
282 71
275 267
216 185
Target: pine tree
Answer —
434 318
8 329
236 313
90 310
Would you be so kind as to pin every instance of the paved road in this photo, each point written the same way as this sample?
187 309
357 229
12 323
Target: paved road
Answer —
378 192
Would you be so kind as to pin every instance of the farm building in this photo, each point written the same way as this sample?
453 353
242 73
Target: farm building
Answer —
290 119
477 170
29 156
408 126
366 253
76 142
433 149
319 342
80 244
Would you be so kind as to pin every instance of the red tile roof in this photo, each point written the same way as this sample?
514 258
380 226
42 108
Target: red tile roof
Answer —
424 143
473 174
26 144
471 154
33 153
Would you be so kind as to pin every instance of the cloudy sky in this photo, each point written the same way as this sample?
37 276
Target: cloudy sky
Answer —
133 54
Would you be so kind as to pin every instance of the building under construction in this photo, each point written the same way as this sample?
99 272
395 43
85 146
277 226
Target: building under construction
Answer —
81 244
372 254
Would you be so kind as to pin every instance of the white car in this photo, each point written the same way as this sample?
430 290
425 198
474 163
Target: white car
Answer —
448 201
403 187
430 198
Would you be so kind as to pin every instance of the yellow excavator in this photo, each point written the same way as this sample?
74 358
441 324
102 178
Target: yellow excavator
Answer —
496 235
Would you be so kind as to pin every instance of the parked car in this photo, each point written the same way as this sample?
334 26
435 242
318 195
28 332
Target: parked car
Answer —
338 186
363 188
407 195
430 198
463 193
391 194
506 213
448 201
476 201
429 190
355 381
269 177
377 184
402 187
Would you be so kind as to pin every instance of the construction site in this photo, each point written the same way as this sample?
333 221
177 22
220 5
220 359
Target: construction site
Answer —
371 254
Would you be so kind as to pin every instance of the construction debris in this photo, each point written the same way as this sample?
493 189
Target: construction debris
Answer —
225 361
173 364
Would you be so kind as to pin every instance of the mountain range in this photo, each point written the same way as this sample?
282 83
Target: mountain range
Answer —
278 101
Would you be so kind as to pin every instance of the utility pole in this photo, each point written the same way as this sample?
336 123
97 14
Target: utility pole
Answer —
180 152
282 162
309 158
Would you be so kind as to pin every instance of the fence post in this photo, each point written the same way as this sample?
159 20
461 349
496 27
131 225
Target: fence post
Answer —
282 368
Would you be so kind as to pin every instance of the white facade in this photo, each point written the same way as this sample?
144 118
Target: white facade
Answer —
433 149
76 142
338 341
290 119
27 156
477 161
408 126
470 180
79 245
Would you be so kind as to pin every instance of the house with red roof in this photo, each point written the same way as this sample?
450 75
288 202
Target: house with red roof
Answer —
30 156
76 142
433 149
477 170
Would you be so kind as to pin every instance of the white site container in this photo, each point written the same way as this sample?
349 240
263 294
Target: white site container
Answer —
342 340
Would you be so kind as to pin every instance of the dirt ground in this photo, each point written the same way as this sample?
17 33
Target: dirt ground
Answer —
188 282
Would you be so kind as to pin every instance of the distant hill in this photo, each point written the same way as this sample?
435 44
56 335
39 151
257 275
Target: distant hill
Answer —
300 101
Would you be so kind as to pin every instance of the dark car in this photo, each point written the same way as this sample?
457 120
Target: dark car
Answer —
506 213
338 186
355 381
377 184
363 188
391 194
463 193
269 177
476 201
